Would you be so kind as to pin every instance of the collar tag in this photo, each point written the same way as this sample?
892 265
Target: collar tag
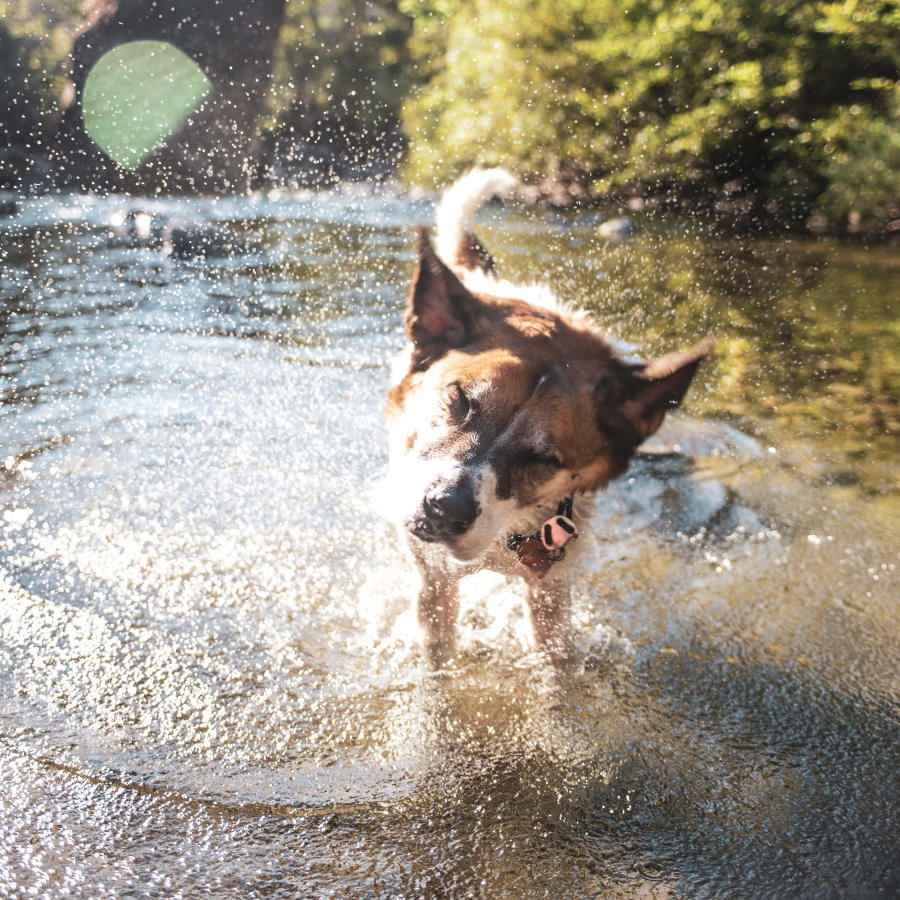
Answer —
539 551
557 531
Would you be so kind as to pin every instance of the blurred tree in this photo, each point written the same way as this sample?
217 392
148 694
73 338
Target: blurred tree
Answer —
340 76
772 110
216 150
754 106
35 42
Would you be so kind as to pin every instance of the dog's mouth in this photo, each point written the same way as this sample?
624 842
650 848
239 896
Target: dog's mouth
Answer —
448 534
452 535
424 530
455 549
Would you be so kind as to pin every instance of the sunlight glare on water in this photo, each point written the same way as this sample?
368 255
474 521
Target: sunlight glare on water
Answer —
213 670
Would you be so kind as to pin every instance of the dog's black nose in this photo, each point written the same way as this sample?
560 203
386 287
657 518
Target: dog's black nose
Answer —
451 508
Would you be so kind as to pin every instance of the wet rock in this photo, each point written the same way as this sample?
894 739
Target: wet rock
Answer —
8 208
558 195
662 490
202 243
135 228
558 192
695 438
618 229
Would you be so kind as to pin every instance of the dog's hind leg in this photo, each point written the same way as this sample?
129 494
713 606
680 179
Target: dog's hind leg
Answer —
548 608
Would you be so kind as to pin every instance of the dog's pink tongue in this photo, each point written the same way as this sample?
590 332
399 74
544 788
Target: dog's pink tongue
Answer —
557 531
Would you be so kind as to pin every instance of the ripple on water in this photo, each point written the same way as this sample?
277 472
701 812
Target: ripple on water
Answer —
212 675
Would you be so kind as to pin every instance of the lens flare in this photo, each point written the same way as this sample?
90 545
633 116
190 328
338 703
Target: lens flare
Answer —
137 96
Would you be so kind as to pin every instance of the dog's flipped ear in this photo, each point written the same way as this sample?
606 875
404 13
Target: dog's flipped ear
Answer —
642 396
441 312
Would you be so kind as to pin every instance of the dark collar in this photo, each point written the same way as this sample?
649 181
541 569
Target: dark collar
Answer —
536 551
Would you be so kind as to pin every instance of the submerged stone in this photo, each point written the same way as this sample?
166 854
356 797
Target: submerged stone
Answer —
618 229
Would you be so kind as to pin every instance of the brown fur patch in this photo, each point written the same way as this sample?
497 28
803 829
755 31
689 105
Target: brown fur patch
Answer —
532 373
471 255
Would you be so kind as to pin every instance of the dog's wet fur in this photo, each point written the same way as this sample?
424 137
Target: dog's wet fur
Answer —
505 404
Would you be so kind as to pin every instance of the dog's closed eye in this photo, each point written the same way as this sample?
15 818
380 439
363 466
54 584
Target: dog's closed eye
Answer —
461 408
538 458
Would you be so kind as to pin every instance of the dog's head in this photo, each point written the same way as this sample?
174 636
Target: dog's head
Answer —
507 408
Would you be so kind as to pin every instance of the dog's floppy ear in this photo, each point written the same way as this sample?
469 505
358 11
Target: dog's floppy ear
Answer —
639 398
440 310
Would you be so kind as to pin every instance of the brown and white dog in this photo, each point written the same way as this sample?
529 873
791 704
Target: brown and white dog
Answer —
505 408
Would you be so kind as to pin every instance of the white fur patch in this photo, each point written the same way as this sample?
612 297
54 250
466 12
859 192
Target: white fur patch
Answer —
490 523
454 219
460 202
538 295
401 364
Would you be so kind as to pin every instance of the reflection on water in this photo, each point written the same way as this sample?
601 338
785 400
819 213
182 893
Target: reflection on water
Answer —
212 682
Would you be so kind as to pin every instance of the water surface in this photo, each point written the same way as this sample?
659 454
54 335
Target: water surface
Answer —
211 681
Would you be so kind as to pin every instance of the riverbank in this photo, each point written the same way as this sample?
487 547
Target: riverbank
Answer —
768 118
292 164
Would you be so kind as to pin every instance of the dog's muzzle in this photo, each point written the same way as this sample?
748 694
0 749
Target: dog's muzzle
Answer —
447 512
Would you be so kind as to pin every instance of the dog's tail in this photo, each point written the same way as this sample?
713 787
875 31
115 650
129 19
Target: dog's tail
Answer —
455 241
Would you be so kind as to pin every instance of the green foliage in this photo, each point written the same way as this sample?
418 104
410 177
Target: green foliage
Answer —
339 68
37 42
786 109
862 168
781 101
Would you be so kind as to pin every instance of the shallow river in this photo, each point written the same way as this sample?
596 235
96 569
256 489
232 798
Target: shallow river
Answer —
210 681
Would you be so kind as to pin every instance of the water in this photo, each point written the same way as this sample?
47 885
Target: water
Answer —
211 678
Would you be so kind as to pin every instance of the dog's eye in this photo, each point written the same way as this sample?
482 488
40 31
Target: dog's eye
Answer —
460 406
533 458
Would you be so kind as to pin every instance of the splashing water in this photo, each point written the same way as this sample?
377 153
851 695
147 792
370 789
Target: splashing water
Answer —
212 676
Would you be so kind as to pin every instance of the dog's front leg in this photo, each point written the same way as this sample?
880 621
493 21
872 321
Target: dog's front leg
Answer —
548 608
437 608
